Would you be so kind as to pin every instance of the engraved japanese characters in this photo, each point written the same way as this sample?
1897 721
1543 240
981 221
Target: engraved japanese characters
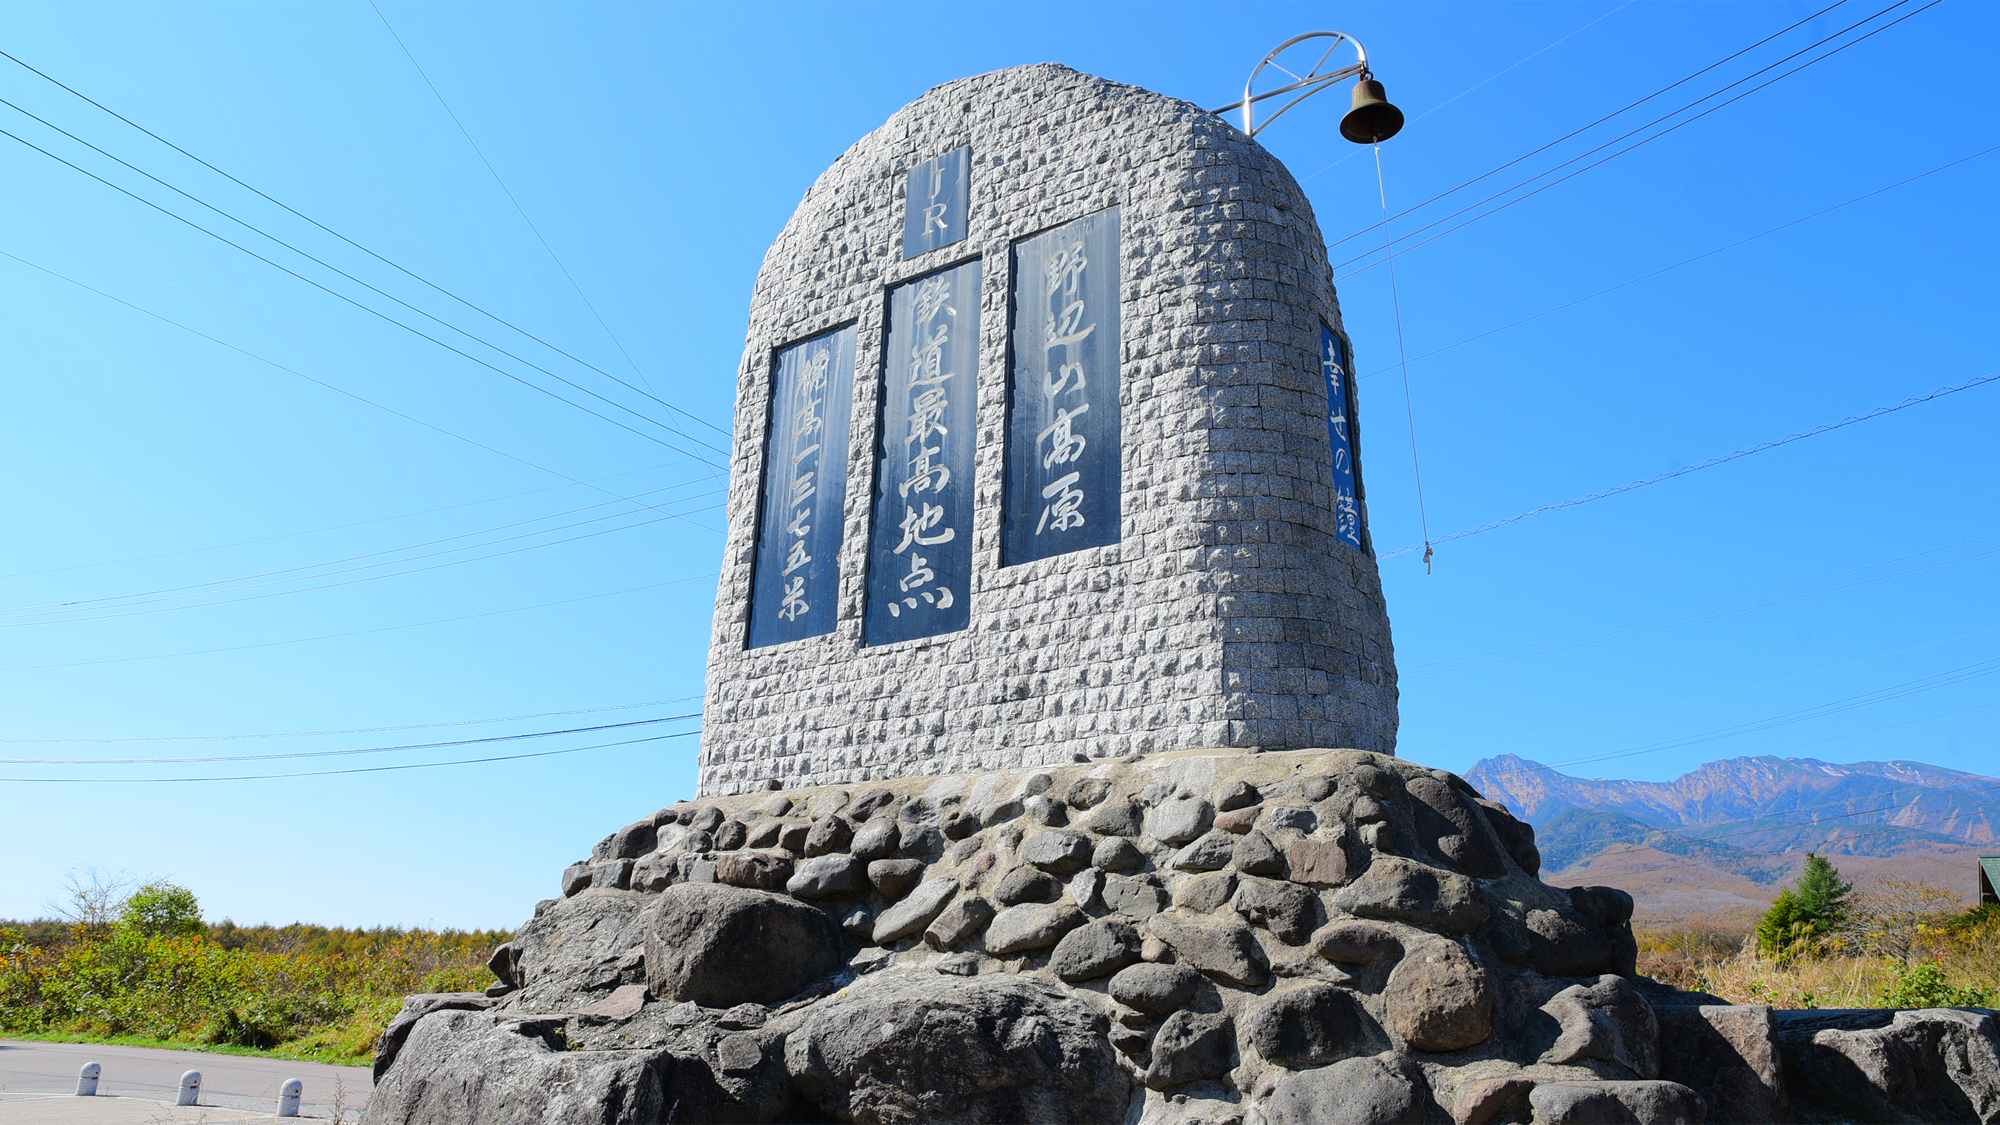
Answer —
920 560
805 487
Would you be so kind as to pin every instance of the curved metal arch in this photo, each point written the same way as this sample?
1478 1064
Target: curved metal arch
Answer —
1310 83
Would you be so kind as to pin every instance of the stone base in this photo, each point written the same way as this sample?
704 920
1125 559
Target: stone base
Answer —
1284 938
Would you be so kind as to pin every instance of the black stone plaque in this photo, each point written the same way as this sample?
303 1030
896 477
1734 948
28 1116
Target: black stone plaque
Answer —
934 208
920 553
1063 482
1333 362
797 579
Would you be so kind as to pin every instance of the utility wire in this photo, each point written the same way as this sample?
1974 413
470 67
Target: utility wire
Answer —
335 773
1738 689
335 527
1634 145
1947 678
357 632
1485 82
286 207
509 192
358 281
1886 726
342 753
591 484
1403 351
1594 124
350 730
83 604
1710 605
1498 659
1696 258
348 582
357 304
1712 462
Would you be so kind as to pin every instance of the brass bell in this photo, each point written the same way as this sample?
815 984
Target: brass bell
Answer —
1372 120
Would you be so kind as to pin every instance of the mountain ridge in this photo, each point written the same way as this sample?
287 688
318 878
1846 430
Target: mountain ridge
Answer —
1718 842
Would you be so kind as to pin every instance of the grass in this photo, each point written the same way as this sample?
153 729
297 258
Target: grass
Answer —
1937 961
297 992
282 1051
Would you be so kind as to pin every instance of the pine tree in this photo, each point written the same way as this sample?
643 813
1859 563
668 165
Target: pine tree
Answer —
1822 893
1802 917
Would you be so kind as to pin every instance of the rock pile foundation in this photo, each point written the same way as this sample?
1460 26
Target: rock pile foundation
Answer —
1296 938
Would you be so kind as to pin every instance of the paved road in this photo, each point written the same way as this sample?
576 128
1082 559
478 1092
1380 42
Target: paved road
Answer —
64 1109
143 1076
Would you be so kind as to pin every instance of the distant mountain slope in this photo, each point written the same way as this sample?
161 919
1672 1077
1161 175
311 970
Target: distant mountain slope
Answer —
1718 843
1771 804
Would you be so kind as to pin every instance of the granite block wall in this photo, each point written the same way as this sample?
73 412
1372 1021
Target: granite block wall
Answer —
1227 615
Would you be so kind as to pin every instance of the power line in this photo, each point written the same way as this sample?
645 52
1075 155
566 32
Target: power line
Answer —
342 753
1402 350
1643 141
369 309
144 597
335 773
1738 689
350 730
509 192
1460 666
1712 462
335 527
1947 678
348 582
1696 258
343 273
329 230
1594 124
1886 726
355 632
1484 82
336 389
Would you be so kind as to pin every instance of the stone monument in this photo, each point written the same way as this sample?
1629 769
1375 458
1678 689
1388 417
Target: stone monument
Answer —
1045 446
1049 586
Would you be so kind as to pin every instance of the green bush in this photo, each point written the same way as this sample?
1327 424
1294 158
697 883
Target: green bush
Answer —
1925 986
162 909
324 992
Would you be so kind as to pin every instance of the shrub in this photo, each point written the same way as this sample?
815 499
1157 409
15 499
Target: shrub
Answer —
162 909
1925 986
313 990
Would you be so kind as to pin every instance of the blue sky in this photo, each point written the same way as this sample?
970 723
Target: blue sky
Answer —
659 148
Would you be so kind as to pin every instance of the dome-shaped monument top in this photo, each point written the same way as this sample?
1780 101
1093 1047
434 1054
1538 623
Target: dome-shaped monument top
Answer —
1045 446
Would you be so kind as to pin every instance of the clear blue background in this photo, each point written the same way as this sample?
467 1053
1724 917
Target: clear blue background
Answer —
661 147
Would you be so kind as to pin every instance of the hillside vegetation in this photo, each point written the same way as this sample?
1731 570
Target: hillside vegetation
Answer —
1825 944
145 968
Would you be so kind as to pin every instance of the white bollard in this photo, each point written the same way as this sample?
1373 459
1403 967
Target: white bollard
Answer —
190 1088
288 1097
86 1080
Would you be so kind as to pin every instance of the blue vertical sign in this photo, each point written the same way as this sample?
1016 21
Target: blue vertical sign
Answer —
1063 474
920 553
796 585
1333 360
934 206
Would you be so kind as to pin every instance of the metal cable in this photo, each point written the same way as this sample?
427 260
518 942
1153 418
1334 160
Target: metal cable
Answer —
336 773
1712 462
329 230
